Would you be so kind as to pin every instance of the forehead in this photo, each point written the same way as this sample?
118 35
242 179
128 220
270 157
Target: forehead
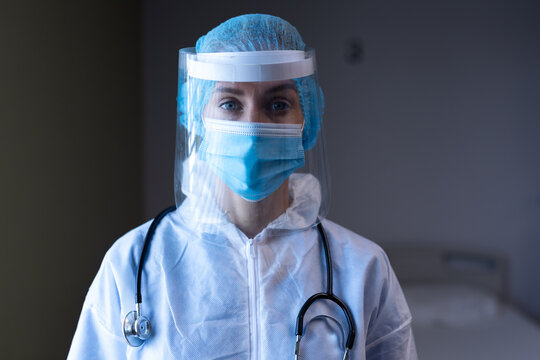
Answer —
240 88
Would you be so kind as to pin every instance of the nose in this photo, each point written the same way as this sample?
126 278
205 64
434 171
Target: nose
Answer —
255 114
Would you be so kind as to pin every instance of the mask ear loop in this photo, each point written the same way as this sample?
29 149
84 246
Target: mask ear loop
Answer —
328 295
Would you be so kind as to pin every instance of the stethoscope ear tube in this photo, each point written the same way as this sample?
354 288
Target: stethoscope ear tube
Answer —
147 240
328 295
348 315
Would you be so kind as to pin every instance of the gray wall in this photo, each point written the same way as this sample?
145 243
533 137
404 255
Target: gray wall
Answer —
70 161
432 138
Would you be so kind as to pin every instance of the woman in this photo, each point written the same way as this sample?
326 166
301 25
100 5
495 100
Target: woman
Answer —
226 273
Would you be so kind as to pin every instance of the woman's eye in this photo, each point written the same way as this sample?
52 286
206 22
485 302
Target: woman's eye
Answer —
229 106
279 106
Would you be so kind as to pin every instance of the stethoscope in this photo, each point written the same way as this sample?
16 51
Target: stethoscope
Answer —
137 328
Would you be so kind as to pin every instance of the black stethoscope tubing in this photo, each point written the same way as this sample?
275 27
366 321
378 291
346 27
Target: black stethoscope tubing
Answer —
328 295
147 240
132 328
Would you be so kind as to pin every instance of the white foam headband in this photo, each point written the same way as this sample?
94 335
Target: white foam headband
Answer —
250 66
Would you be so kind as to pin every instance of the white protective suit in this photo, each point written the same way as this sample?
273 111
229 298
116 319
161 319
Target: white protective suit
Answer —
212 293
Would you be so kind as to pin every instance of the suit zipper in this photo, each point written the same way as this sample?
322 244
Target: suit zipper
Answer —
253 301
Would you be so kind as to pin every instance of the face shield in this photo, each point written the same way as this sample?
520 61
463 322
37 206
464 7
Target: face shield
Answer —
249 126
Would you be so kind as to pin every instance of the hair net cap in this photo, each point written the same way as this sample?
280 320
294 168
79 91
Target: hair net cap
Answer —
253 32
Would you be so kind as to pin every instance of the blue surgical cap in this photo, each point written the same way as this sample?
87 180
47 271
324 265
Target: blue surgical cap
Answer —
251 32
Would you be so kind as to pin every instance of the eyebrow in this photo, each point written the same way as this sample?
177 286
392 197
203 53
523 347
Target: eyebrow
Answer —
231 90
236 91
282 87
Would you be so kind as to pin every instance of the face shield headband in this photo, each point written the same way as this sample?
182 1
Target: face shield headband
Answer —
251 66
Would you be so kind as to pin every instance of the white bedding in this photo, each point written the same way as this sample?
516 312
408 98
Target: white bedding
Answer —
456 323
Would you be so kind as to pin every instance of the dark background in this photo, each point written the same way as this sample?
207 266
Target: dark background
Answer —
432 129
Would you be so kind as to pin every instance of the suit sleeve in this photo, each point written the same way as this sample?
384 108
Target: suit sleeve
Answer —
389 334
99 332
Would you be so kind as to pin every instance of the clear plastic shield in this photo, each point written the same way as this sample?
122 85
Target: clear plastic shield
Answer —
249 129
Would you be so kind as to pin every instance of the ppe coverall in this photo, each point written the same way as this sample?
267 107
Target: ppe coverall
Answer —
212 293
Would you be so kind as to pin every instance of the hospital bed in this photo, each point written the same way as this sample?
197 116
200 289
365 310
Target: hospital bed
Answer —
460 307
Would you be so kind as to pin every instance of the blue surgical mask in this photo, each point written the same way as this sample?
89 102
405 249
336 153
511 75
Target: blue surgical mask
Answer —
253 159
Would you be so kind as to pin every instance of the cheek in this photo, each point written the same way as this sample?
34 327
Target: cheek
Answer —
213 110
210 108
205 111
297 117
294 116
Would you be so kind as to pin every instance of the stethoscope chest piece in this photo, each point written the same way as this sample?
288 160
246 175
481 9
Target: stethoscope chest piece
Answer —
136 328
